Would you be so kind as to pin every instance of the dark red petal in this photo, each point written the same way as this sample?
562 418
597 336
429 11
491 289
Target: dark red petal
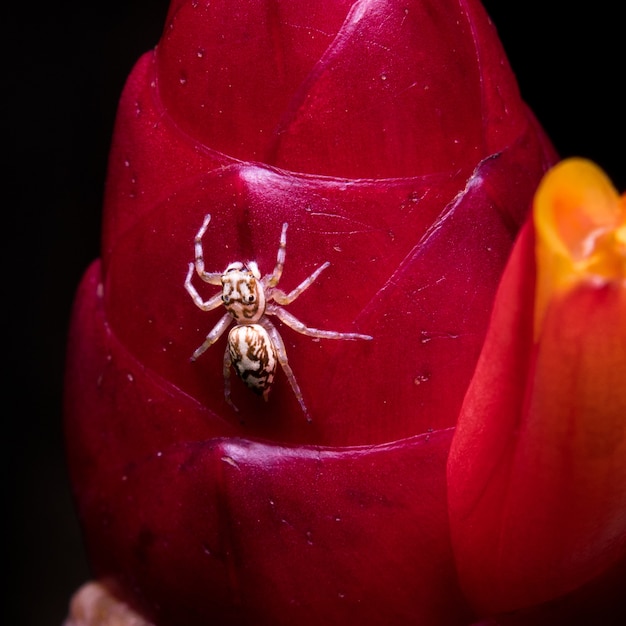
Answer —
403 255
430 87
227 73
201 529
149 157
427 93
207 515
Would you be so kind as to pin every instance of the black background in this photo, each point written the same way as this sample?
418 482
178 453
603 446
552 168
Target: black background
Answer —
65 66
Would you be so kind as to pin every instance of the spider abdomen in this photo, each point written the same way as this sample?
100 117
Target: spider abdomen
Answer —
253 356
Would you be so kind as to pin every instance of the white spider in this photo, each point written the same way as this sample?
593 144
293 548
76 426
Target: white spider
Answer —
254 344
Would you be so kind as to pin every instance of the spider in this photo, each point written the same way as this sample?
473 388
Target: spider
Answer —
254 346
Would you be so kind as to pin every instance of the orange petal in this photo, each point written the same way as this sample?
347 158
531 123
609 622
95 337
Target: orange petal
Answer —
581 230
537 470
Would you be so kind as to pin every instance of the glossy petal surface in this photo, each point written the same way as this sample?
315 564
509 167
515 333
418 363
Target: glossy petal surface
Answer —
277 93
392 139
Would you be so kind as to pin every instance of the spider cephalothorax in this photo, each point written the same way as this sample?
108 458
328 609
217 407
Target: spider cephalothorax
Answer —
254 346
243 295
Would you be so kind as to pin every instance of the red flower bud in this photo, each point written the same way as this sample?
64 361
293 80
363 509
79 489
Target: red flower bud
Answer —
392 140
537 469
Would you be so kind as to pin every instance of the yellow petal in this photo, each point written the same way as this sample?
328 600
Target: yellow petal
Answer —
580 221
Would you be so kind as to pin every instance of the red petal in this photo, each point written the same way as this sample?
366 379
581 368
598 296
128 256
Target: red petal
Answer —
399 256
234 530
173 487
266 82
149 157
227 73
536 473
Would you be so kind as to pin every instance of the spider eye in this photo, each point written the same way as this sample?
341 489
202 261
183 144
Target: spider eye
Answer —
225 299
251 298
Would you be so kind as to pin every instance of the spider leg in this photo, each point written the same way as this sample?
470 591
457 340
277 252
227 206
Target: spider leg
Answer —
213 278
286 298
293 322
226 370
281 354
214 335
210 304
272 280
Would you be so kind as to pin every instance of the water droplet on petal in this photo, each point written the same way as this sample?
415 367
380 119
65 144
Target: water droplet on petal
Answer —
421 378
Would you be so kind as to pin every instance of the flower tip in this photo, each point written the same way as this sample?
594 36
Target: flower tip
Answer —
580 221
